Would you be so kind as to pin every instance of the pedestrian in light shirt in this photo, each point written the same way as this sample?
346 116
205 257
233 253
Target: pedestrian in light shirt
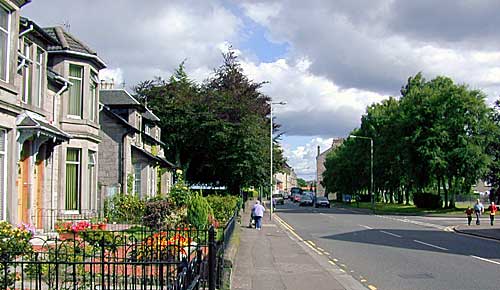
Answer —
258 212
478 210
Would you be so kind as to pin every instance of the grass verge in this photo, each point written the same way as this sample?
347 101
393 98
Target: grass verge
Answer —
389 208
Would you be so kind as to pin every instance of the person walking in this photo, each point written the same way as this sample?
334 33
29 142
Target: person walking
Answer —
493 209
478 210
469 212
258 212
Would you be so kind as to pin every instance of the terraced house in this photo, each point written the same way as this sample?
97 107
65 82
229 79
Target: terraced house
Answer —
49 121
131 153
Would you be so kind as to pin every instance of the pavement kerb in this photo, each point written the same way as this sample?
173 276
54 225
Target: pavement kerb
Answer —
230 255
458 230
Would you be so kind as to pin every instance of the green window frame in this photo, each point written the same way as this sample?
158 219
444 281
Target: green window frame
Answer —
75 100
73 173
93 96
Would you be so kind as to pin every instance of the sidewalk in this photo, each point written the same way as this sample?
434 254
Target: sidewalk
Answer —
269 259
485 230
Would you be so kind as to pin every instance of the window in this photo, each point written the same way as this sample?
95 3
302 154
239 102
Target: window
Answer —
73 179
38 76
27 75
3 174
32 75
93 96
75 91
92 180
137 179
4 43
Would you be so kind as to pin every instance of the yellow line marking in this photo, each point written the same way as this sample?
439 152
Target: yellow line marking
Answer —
311 242
326 253
335 260
363 280
342 271
331 262
343 265
372 287
320 249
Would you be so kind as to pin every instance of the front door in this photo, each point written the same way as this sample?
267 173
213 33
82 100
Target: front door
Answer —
24 182
39 171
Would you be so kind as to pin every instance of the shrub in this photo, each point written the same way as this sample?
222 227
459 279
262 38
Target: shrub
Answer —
179 194
124 208
14 242
427 200
156 213
223 207
198 211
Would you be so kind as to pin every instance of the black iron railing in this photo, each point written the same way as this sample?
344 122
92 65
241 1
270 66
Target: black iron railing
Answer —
135 258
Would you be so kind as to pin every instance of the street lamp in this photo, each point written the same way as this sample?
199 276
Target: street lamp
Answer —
371 167
272 179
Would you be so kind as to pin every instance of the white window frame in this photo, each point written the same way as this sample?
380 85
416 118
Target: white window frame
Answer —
82 85
4 185
38 67
92 176
9 28
27 70
94 82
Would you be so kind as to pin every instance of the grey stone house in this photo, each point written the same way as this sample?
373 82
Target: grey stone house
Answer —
131 154
49 125
320 165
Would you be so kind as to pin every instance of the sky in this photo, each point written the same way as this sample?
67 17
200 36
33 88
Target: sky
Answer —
328 59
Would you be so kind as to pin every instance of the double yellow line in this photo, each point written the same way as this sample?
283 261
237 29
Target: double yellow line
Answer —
310 244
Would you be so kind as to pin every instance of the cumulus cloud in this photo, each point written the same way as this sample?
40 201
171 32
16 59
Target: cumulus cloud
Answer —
303 157
146 41
315 105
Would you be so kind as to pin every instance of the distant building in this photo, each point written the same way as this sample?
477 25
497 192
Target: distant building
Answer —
320 164
286 179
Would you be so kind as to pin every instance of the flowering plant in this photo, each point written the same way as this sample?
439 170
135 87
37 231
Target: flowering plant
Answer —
164 247
14 242
72 227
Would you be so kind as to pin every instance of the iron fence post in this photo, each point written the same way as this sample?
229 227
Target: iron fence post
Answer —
211 258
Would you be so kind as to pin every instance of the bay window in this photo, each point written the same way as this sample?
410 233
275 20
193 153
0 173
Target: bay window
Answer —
92 180
93 96
73 171
75 91
3 174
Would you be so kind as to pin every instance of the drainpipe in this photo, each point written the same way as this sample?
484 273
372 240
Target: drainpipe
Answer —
64 88
52 184
26 31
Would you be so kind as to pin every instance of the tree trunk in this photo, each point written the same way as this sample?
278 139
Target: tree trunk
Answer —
445 192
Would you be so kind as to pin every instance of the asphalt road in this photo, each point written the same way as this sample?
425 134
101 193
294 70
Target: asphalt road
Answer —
396 252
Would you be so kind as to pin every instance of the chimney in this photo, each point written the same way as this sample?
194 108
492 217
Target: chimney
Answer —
107 85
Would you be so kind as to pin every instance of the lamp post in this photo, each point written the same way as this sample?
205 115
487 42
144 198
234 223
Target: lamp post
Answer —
372 196
272 179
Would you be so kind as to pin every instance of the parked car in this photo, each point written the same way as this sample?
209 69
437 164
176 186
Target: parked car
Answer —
278 198
297 197
305 200
322 201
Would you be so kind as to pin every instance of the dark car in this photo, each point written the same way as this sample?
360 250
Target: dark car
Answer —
306 200
322 201
294 191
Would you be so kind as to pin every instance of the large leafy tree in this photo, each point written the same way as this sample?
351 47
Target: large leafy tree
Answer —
433 139
217 132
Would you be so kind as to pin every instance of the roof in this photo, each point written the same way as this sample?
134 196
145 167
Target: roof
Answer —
39 125
148 114
119 119
118 97
26 22
66 42
158 159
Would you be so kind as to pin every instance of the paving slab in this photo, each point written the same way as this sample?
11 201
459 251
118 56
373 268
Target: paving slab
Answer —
269 259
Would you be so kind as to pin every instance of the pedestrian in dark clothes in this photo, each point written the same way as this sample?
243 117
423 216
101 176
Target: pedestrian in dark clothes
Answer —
469 212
